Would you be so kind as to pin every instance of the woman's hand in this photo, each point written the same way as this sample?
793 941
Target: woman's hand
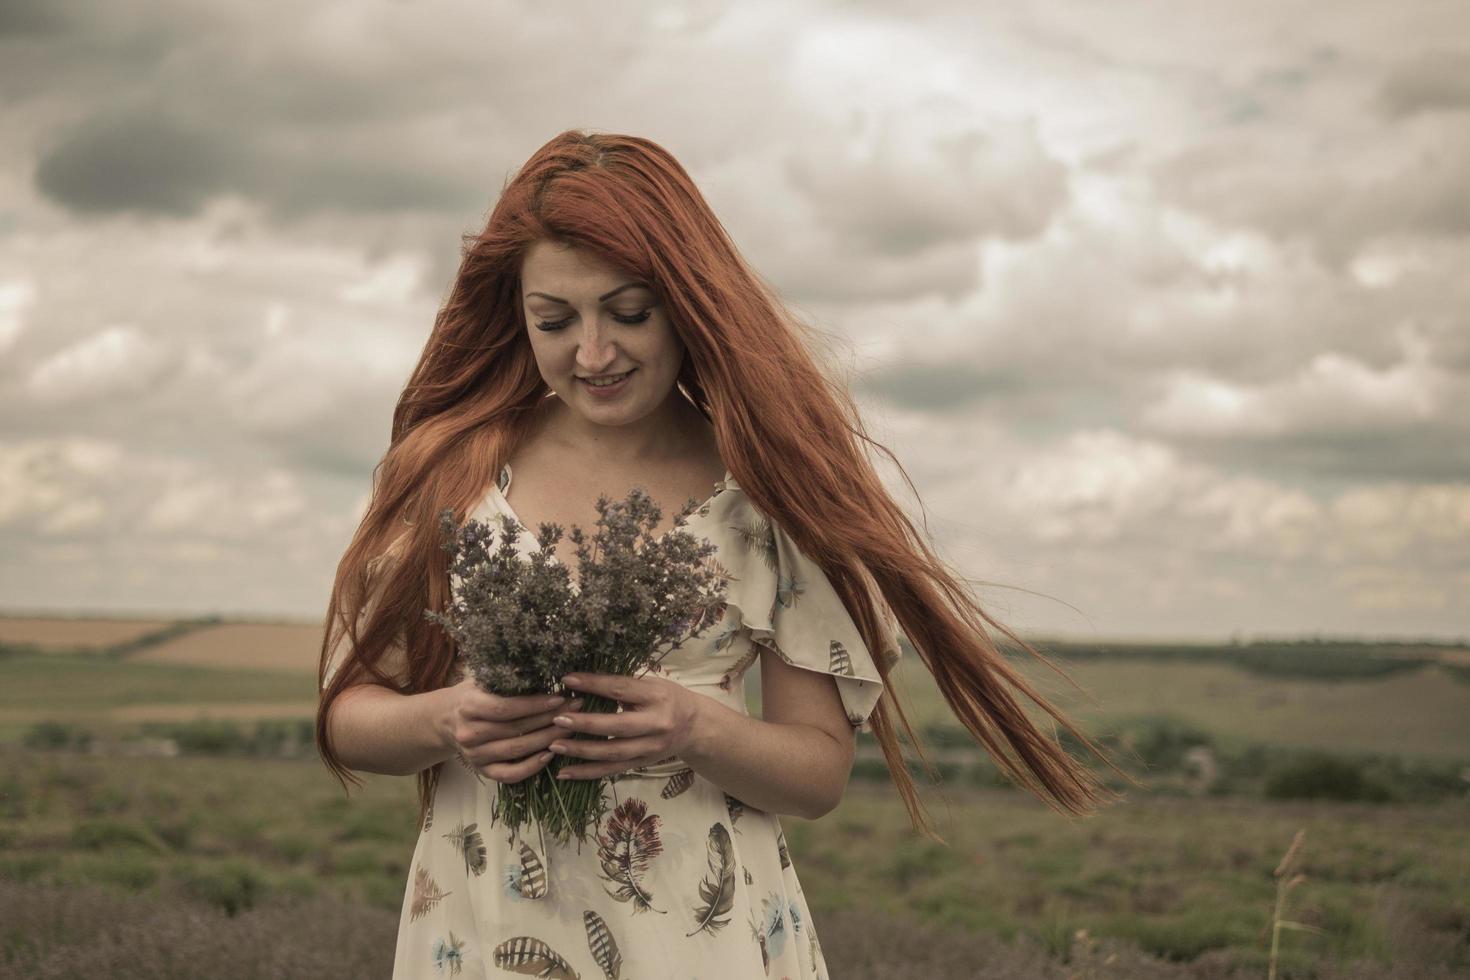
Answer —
659 718
503 737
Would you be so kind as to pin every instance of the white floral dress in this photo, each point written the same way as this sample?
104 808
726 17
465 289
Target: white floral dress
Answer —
681 880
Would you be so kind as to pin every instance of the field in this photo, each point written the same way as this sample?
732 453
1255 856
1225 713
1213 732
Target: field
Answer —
110 856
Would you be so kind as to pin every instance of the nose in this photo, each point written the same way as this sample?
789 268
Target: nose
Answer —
595 350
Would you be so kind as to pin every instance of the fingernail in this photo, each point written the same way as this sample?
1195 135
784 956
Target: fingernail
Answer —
545 756
574 705
555 702
571 680
562 720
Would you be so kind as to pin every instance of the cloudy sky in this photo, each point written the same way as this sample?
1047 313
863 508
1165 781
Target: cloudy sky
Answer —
1164 307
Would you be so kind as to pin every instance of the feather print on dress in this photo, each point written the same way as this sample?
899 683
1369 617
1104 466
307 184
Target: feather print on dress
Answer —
628 842
469 766
758 536
714 611
677 783
735 808
602 945
470 845
429 813
773 922
841 663
740 666
532 882
426 894
718 887
781 850
449 956
531 957
759 935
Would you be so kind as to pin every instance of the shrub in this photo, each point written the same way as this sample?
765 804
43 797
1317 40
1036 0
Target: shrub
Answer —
231 885
1161 742
871 770
108 834
1319 776
211 736
52 735
129 869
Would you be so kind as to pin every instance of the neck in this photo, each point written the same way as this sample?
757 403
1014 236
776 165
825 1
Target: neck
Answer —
666 433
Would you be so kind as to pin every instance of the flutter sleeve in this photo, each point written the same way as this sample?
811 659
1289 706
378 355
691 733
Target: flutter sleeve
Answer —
789 606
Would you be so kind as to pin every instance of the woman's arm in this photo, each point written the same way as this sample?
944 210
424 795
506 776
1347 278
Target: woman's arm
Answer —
779 767
377 730
796 759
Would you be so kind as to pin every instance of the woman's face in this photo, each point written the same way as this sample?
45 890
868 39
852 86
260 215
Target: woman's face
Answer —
587 320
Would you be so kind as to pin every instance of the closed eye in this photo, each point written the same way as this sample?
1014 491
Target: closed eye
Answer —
552 325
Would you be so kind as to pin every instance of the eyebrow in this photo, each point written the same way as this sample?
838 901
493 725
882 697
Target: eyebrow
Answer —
601 299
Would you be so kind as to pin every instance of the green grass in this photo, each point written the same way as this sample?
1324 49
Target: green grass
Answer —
79 685
1187 880
1420 713
1180 878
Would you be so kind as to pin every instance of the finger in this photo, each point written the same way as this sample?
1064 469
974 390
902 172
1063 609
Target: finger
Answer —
479 731
494 707
607 750
514 739
620 725
614 687
514 772
505 751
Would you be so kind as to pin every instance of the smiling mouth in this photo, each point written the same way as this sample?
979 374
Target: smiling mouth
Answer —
607 379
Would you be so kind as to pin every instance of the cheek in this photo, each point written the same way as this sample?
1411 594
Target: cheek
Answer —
545 348
667 349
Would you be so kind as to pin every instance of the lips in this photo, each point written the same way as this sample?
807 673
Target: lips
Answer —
607 380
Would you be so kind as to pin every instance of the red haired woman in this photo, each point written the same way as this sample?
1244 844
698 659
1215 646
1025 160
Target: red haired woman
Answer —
602 333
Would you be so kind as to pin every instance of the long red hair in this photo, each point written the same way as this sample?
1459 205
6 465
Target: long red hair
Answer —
790 435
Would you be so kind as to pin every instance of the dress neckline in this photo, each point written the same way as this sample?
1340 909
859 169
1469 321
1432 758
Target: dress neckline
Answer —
724 484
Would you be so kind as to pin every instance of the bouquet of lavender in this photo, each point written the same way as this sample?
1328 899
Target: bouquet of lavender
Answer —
520 625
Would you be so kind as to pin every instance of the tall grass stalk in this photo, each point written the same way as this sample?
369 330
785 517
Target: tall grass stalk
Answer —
1285 882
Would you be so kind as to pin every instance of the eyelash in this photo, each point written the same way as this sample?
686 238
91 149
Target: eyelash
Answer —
551 326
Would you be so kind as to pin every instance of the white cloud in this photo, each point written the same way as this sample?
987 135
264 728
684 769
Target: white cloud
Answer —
16 296
118 360
1094 485
207 504
394 281
1331 393
50 484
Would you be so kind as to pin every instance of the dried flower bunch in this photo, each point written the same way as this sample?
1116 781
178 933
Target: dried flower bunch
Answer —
520 624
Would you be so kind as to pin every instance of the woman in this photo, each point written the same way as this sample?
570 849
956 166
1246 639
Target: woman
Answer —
602 262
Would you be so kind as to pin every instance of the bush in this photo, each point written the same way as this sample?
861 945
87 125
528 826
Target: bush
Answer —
870 770
231 886
129 869
211 736
52 735
107 834
943 735
986 775
1319 776
1161 742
